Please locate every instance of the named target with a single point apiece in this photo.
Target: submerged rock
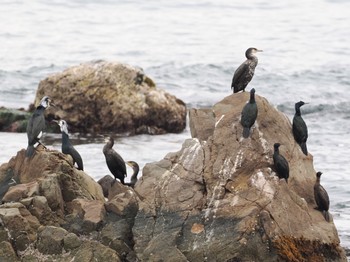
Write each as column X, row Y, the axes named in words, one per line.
column 112, row 97
column 218, row 198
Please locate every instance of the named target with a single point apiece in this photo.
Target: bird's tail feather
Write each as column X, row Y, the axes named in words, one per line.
column 303, row 148
column 326, row 215
column 30, row 151
column 246, row 132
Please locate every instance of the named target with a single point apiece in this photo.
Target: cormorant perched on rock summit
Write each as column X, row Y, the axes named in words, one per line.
column 321, row 197
column 67, row 147
column 245, row 72
column 36, row 125
column 299, row 128
column 136, row 170
column 280, row 163
column 249, row 114
column 114, row 161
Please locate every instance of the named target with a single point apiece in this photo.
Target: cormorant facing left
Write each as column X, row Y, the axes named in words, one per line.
column 36, row 125
column 136, row 170
column 321, row 197
column 114, row 161
column 67, row 147
column 245, row 72
column 280, row 163
column 299, row 128
column 249, row 114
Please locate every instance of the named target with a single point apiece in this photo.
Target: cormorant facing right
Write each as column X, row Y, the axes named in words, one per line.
column 249, row 114
column 245, row 72
column 280, row 163
column 321, row 197
column 299, row 128
column 136, row 169
column 114, row 161
column 36, row 125
column 67, row 147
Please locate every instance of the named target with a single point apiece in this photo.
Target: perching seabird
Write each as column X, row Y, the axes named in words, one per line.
column 299, row 128
column 249, row 114
column 280, row 163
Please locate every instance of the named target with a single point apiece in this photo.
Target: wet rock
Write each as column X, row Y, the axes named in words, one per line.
column 134, row 104
column 50, row 240
column 219, row 199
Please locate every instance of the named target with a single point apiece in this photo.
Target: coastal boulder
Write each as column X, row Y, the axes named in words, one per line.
column 219, row 198
column 111, row 97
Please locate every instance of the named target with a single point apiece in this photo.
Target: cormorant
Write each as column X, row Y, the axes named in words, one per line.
column 280, row 163
column 114, row 161
column 245, row 72
column 299, row 128
column 136, row 169
column 321, row 197
column 36, row 125
column 67, row 147
column 249, row 114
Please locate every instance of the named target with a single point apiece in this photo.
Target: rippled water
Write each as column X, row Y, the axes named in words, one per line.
column 191, row 48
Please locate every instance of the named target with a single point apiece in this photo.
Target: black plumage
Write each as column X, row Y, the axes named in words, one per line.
column 36, row 125
column 280, row 163
column 114, row 161
column 249, row 114
column 67, row 147
column 299, row 128
column 245, row 72
column 135, row 167
column 321, row 197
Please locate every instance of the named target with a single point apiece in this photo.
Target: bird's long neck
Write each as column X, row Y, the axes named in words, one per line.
column 297, row 111
column 277, row 151
column 251, row 56
column 65, row 138
column 108, row 146
column 136, row 172
column 252, row 98
column 318, row 180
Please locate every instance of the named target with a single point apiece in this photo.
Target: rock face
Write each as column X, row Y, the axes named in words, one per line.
column 111, row 97
column 218, row 199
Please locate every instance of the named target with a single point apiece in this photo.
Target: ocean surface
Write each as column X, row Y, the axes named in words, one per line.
column 191, row 49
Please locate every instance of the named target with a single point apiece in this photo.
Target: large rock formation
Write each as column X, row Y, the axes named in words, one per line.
column 218, row 198
column 112, row 97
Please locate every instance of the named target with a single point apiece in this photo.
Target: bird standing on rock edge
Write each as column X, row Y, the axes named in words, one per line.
column 67, row 147
column 300, row 132
column 36, row 125
column 280, row 163
column 321, row 197
column 245, row 72
column 114, row 161
column 135, row 167
column 249, row 114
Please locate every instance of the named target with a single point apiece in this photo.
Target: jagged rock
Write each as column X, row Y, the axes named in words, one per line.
column 135, row 105
column 50, row 240
column 91, row 212
column 71, row 241
column 94, row 251
column 7, row 253
column 106, row 184
column 17, row 192
column 218, row 199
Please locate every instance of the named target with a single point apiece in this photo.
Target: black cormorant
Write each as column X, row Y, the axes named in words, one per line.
column 67, row 147
column 114, row 161
column 280, row 163
column 299, row 128
column 245, row 72
column 36, row 125
column 249, row 114
column 321, row 197
column 136, row 170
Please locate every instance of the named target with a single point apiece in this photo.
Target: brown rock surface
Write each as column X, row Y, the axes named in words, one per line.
column 218, row 198
column 112, row 97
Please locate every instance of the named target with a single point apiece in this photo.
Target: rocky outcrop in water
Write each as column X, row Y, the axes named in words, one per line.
column 217, row 199
column 112, row 97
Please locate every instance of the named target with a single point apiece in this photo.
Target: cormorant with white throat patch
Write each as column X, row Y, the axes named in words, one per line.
column 245, row 72
column 67, row 147
column 36, row 125
column 135, row 167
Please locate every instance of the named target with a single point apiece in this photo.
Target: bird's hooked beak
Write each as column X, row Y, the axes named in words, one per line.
column 259, row 50
column 129, row 164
